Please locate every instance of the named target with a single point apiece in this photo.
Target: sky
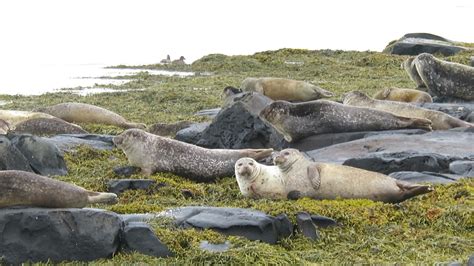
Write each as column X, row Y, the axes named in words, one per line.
column 141, row 31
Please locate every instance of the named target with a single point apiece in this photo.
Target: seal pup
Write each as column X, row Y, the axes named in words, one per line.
column 258, row 180
column 305, row 178
column 446, row 78
column 154, row 153
column 19, row 188
column 47, row 126
column 299, row 120
column 403, row 95
column 86, row 113
column 410, row 68
column 4, row 127
column 439, row 120
column 285, row 89
column 13, row 117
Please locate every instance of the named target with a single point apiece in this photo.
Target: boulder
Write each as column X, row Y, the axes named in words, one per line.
column 306, row 226
column 118, row 186
column 40, row 235
column 284, row 225
column 423, row 177
column 464, row 168
column 459, row 110
column 126, row 170
column 323, row 221
column 68, row 142
column 139, row 237
column 417, row 43
column 192, row 134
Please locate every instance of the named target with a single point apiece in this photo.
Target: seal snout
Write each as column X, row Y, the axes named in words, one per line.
column 245, row 167
column 118, row 140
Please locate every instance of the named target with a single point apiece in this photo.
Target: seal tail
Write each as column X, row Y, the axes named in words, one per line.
column 101, row 197
column 134, row 125
column 409, row 190
column 322, row 92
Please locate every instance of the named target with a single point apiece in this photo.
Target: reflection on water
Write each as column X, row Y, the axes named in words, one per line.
column 35, row 80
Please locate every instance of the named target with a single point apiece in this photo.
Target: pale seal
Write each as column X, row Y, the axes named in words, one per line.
column 444, row 78
column 19, row 188
column 153, row 153
column 258, row 180
column 14, row 117
column 410, row 69
column 330, row 181
column 403, row 95
column 47, row 126
column 285, row 89
column 439, row 120
column 87, row 113
column 299, row 120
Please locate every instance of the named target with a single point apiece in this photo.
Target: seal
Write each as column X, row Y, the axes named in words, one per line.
column 439, row 120
column 299, row 120
column 154, row 153
column 47, row 126
column 163, row 129
column 403, row 95
column 258, row 180
column 4, row 127
column 305, row 178
column 410, row 69
column 14, row 117
column 86, row 113
column 285, row 89
column 444, row 78
column 19, row 188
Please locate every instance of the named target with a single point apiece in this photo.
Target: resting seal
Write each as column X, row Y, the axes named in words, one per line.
column 14, row 117
column 330, row 181
column 446, row 78
column 259, row 181
column 18, row 188
column 403, row 95
column 86, row 113
column 299, row 120
column 153, row 153
column 47, row 126
column 410, row 68
column 285, row 89
column 439, row 120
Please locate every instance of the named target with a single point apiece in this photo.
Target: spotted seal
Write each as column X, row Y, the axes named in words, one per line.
column 403, row 95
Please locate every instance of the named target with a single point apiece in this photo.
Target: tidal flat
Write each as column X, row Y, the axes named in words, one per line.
column 434, row 228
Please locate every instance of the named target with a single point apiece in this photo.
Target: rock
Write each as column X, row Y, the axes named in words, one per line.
column 423, row 177
column 40, row 235
column 68, row 142
column 208, row 112
column 417, row 43
column 460, row 110
column 126, row 170
column 192, row 134
column 252, row 224
column 118, row 186
column 470, row 261
column 163, row 129
column 11, row 158
column 139, row 237
column 464, row 168
column 323, row 221
column 433, row 151
column 43, row 156
column 187, row 194
column 205, row 245
column 284, row 225
column 306, row 226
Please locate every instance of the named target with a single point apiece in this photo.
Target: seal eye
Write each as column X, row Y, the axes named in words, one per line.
column 250, row 163
column 240, row 164
column 286, row 153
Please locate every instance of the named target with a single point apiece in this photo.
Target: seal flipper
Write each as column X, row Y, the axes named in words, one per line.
column 409, row 190
column 134, row 125
column 101, row 197
column 313, row 175
column 322, row 92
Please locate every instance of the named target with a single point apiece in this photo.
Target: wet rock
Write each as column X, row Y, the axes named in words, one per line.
column 417, row 43
column 139, row 237
column 163, row 129
column 68, row 142
column 126, row 170
column 252, row 224
column 191, row 134
column 432, row 151
column 11, row 158
column 464, row 168
column 118, row 186
column 306, row 226
column 323, row 221
column 39, row 235
column 424, row 177
column 284, row 225
column 205, row 245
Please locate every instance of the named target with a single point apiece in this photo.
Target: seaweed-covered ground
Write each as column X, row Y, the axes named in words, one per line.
column 437, row 227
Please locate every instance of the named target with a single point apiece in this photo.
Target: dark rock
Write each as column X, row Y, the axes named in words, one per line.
column 306, row 226
column 11, row 158
column 432, row 151
column 188, row 194
column 43, row 156
column 464, row 168
column 323, row 221
column 423, row 177
column 139, row 237
column 284, row 225
column 252, row 224
column 191, row 134
column 470, row 261
column 36, row 234
column 460, row 110
column 208, row 112
column 163, row 129
column 118, row 186
column 126, row 170
column 205, row 245
column 68, row 142
column 417, row 43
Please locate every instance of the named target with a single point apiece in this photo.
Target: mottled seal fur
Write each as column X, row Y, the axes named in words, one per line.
column 87, row 113
column 258, row 180
column 330, row 181
column 444, row 78
column 14, row 117
column 299, row 120
column 410, row 68
column 403, row 95
column 163, row 129
column 285, row 89
column 18, row 188
column 4, row 127
column 439, row 120
column 48, row 126
column 153, row 153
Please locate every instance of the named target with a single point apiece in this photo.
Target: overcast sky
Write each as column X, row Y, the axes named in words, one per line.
column 140, row 31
